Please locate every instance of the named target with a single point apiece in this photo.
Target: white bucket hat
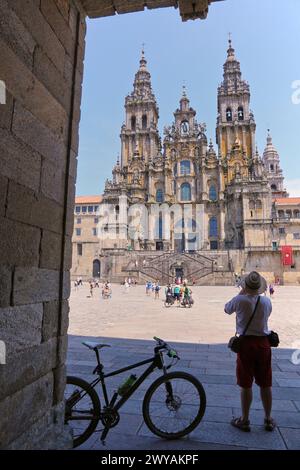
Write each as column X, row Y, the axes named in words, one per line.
column 254, row 283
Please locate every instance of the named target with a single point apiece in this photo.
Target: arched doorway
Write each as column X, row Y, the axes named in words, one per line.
column 96, row 268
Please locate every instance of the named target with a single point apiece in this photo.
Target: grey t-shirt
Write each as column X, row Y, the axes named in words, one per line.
column 243, row 305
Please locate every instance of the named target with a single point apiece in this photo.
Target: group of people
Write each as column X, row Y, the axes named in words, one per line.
column 179, row 293
column 153, row 288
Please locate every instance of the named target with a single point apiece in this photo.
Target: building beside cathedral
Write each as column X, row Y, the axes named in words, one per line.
column 178, row 207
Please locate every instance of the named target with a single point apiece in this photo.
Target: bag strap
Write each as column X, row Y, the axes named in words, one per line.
column 251, row 318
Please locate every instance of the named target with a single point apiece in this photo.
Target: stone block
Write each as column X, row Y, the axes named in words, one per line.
column 64, row 8
column 37, row 135
column 32, row 363
column 21, row 328
column 62, row 349
column 6, row 112
column 26, row 206
column 15, row 34
column 32, row 285
column 46, row 433
column 59, row 375
column 19, row 243
column 5, row 286
column 59, row 24
column 64, row 320
column 21, row 410
column 51, row 250
column 30, row 92
column 18, row 162
column 41, row 30
column 52, row 78
column 3, row 194
column 68, row 253
column 66, row 285
column 50, row 320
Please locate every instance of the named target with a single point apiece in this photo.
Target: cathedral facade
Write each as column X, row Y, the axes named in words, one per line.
column 177, row 198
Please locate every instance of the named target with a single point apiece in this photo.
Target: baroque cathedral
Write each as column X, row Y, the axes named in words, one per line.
column 234, row 185
column 177, row 206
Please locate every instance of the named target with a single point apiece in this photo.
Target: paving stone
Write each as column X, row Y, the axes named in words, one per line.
column 291, row 438
column 227, row 435
column 288, row 382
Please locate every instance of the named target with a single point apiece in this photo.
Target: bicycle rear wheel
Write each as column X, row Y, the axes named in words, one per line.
column 174, row 405
column 82, row 409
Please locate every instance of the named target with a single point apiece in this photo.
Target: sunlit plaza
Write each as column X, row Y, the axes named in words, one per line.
column 129, row 320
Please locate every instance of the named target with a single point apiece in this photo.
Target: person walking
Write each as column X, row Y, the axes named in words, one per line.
column 271, row 290
column 157, row 289
column 255, row 357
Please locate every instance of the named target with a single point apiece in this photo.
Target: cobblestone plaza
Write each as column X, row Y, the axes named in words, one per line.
column 128, row 321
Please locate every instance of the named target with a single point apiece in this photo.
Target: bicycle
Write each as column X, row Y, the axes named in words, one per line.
column 173, row 406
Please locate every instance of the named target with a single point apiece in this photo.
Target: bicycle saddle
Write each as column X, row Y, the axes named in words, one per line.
column 93, row 345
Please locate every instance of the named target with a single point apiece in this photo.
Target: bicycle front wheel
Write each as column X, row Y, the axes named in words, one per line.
column 82, row 409
column 174, row 405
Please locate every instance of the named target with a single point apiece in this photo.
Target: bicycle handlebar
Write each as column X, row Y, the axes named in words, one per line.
column 163, row 345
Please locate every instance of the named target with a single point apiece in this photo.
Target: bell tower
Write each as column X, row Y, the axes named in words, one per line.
column 235, row 122
column 139, row 133
column 271, row 162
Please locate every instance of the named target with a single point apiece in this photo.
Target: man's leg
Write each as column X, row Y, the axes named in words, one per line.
column 246, row 400
column 266, row 398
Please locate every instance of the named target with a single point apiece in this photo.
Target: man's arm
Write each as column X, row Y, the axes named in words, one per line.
column 230, row 307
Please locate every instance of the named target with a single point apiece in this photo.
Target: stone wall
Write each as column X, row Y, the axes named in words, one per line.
column 41, row 50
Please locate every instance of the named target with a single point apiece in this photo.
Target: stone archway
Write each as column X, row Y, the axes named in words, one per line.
column 42, row 70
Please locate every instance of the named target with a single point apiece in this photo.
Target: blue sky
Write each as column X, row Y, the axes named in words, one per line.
column 266, row 38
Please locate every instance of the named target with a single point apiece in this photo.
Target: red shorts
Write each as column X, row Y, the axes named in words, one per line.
column 254, row 362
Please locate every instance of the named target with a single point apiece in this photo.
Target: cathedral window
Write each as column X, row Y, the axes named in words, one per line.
column 272, row 167
column 185, row 167
column 185, row 192
column 296, row 214
column 175, row 169
column 133, row 122
column 159, row 195
column 228, row 115
column 258, row 204
column 251, row 204
column 274, row 187
column 144, row 121
column 240, row 113
column 281, row 214
column 77, row 209
column 213, row 227
column 174, row 187
column 213, row 193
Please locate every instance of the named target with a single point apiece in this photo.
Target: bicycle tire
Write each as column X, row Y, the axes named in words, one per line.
column 147, row 400
column 85, row 386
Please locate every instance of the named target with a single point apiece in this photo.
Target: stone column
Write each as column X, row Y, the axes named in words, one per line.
column 42, row 51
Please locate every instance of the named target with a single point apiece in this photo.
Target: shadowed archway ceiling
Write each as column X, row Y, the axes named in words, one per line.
column 189, row 9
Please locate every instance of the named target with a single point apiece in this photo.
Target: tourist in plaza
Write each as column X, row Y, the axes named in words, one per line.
column 177, row 293
column 91, row 288
column 148, row 288
column 254, row 358
column 271, row 290
column 126, row 286
column 156, row 292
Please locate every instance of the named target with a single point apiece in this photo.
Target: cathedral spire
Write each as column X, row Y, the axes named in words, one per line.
column 143, row 61
column 230, row 50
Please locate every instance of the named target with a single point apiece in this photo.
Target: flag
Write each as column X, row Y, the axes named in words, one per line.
column 287, row 255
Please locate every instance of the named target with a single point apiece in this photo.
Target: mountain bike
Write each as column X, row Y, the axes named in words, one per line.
column 173, row 406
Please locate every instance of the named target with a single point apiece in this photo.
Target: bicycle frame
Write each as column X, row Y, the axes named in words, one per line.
column 156, row 362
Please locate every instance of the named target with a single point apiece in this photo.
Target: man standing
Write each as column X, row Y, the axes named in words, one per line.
column 254, row 358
